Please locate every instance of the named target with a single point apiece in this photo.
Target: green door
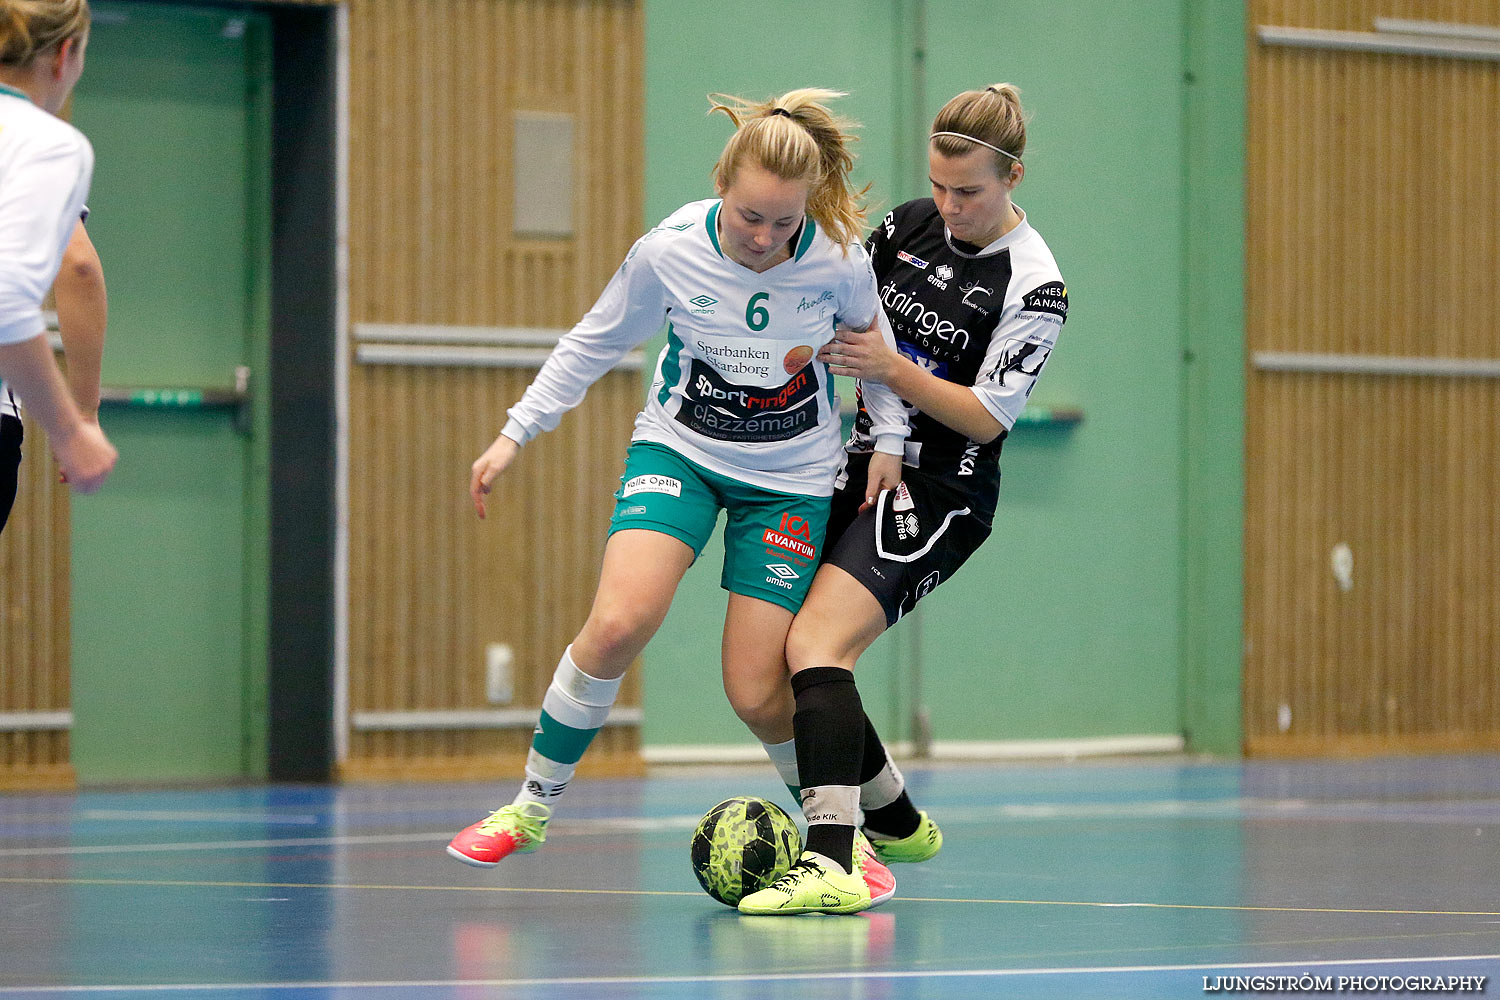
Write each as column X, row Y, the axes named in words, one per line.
column 169, row 568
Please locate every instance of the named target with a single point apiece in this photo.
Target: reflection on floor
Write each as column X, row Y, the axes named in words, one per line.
column 1123, row 878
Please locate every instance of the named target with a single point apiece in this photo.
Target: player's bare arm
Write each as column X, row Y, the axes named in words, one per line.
column 82, row 316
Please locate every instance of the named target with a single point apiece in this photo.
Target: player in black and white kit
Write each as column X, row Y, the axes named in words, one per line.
column 983, row 317
column 976, row 302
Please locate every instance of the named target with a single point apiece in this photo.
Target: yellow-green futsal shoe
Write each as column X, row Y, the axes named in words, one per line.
column 921, row 845
column 813, row 885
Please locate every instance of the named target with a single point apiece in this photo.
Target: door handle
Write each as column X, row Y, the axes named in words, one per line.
column 174, row 397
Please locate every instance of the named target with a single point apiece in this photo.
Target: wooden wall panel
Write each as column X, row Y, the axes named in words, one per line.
column 434, row 86
column 34, row 620
column 1374, row 225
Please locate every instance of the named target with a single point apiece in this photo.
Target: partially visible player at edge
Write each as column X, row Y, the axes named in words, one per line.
column 45, row 169
column 740, row 416
column 977, row 302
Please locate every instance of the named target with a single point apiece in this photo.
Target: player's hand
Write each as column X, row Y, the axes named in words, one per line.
column 885, row 474
column 86, row 457
column 860, row 353
column 88, row 418
column 487, row 467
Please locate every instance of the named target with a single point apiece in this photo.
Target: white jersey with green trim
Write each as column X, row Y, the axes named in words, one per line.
column 738, row 388
column 45, row 168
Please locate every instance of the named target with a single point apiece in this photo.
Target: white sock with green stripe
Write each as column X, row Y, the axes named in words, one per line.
column 784, row 759
column 573, row 710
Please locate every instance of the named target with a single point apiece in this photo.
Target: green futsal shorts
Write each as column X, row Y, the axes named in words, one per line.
column 771, row 540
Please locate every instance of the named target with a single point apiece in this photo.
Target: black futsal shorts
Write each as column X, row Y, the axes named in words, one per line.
column 10, row 465
column 915, row 537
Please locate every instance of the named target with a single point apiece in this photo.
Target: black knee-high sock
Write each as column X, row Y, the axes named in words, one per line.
column 878, row 779
column 830, row 749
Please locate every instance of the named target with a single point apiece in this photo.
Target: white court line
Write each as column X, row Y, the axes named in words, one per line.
column 761, row 978
column 574, row 828
column 1234, row 808
column 195, row 816
column 224, row 845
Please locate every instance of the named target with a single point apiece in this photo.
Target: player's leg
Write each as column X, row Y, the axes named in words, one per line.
column 663, row 517
column 868, row 580
column 771, row 547
column 840, row 881
column 771, row 544
column 843, row 509
column 640, row 574
column 836, row 623
column 754, row 662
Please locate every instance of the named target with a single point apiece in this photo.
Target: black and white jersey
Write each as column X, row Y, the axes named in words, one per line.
column 984, row 317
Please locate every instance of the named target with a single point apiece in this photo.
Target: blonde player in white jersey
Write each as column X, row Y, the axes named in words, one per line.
column 45, row 169
column 741, row 416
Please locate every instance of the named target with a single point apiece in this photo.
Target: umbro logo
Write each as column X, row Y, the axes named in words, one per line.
column 784, row 571
column 703, row 301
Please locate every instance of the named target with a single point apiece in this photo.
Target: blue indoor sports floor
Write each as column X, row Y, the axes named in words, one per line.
column 1119, row 878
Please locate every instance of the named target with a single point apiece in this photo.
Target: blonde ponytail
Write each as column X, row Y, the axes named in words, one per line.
column 29, row 28
column 796, row 137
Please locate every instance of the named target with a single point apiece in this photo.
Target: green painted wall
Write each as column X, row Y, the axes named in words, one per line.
column 1070, row 622
column 1081, row 572
column 1214, row 376
column 169, row 563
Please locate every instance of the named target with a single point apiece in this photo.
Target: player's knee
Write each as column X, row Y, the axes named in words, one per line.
column 615, row 637
column 763, row 712
column 807, row 645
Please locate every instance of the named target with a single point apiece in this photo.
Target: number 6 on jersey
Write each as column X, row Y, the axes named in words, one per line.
column 756, row 316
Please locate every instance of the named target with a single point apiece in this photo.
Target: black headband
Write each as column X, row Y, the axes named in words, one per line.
column 781, row 111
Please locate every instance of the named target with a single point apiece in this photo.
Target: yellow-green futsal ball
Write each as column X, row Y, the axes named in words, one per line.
column 741, row 845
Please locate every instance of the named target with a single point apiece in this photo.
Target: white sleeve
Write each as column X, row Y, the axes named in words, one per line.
column 43, row 191
column 631, row 309
column 889, row 421
column 889, row 418
column 1018, row 350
